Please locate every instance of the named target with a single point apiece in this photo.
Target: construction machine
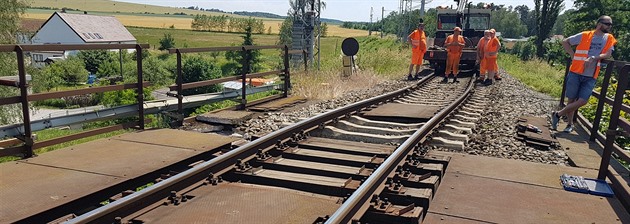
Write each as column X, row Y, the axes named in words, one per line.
column 475, row 22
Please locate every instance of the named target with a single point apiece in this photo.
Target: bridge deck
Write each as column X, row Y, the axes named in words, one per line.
column 478, row 189
column 56, row 178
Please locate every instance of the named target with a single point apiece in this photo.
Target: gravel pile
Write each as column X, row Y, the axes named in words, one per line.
column 272, row 121
column 494, row 134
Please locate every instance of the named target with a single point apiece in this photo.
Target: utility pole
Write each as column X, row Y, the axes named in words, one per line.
column 382, row 21
column 422, row 8
column 370, row 26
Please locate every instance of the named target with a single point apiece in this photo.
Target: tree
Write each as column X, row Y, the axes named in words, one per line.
column 10, row 11
column 508, row 23
column 558, row 27
column 587, row 13
column 94, row 58
column 167, row 42
column 72, row 70
column 155, row 72
column 528, row 18
column 286, row 32
column 250, row 58
column 546, row 15
column 197, row 69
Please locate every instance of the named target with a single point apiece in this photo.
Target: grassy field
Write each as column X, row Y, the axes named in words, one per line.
column 160, row 20
column 546, row 79
column 114, row 6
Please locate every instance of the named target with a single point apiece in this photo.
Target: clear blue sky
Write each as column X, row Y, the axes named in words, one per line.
column 346, row 10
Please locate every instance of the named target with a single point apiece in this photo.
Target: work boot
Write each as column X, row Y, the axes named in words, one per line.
column 455, row 79
column 418, row 76
column 488, row 82
column 409, row 77
column 497, row 77
column 569, row 128
column 445, row 80
column 554, row 120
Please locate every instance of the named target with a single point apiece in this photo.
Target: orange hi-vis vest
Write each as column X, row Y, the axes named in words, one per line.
column 481, row 45
column 455, row 49
column 581, row 52
column 492, row 46
column 418, row 39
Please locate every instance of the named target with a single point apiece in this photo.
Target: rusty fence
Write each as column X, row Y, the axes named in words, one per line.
column 618, row 126
column 28, row 143
column 284, row 73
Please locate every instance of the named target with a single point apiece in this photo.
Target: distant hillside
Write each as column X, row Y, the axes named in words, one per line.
column 274, row 16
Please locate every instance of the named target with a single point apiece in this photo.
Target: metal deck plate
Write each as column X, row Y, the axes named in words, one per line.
column 57, row 177
column 244, row 203
column 26, row 189
column 488, row 190
column 278, row 104
column 404, row 111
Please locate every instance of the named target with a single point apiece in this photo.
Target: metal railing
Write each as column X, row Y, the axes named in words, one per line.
column 29, row 144
column 180, row 86
column 607, row 139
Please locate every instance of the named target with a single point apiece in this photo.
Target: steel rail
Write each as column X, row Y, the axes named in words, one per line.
column 351, row 208
column 224, row 161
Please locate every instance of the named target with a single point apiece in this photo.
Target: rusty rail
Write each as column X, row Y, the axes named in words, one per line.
column 24, row 98
column 607, row 139
column 218, row 165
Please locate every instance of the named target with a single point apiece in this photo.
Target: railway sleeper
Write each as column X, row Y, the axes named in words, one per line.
column 406, row 195
column 332, row 158
column 337, row 133
column 348, row 126
column 390, row 213
column 383, row 124
column 346, row 147
column 336, row 187
column 320, row 169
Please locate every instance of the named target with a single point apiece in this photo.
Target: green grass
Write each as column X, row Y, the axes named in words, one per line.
column 536, row 74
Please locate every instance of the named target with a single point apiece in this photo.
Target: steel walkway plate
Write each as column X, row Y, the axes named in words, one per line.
column 55, row 178
column 243, row 203
column 480, row 189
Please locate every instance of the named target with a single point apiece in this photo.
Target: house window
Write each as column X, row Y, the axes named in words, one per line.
column 92, row 36
column 98, row 36
column 86, row 36
column 38, row 57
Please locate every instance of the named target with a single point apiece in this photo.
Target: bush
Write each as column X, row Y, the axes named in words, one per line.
column 167, row 42
column 197, row 69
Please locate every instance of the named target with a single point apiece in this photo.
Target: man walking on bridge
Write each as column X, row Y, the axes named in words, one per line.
column 592, row 46
column 454, row 45
column 418, row 41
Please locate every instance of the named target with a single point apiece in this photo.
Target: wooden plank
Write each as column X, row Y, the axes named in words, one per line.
column 63, row 47
column 14, row 151
column 10, row 100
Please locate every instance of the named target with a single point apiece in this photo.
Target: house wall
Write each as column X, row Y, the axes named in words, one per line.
column 56, row 31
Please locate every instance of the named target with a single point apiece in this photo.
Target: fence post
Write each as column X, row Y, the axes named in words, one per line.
column 244, row 78
column 564, row 83
column 180, row 81
column 305, row 60
column 611, row 133
column 140, row 87
column 287, row 79
column 28, row 134
column 602, row 99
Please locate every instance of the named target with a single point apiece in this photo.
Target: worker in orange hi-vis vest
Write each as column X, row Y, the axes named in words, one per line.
column 491, row 50
column 480, row 55
column 494, row 36
column 592, row 46
column 418, row 41
column 454, row 45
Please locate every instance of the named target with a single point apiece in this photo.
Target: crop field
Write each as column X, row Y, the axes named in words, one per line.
column 183, row 22
column 113, row 6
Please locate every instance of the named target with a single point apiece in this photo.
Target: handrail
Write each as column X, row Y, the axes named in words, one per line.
column 191, row 85
column 24, row 98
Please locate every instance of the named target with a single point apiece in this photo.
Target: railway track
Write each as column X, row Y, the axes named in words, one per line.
column 367, row 162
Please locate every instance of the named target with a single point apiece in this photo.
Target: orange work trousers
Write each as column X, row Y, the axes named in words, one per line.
column 452, row 63
column 417, row 57
column 482, row 67
column 491, row 65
